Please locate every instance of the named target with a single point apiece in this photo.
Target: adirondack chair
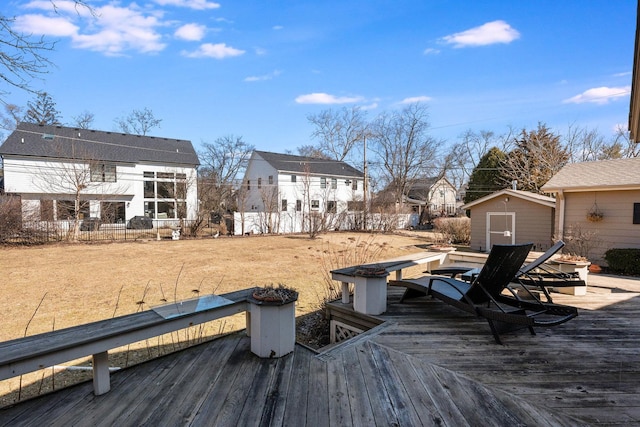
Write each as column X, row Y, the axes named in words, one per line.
column 484, row 295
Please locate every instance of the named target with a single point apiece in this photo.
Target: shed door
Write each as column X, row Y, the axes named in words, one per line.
column 501, row 228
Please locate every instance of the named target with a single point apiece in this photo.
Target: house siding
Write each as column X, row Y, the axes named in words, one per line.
column 533, row 222
column 616, row 230
column 306, row 188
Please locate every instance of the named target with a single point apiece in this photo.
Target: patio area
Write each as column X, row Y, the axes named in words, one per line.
column 426, row 364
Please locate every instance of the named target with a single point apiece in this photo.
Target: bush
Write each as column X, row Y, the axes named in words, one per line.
column 10, row 217
column 623, row 261
column 454, row 230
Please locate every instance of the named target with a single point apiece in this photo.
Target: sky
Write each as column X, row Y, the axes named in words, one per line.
column 259, row 69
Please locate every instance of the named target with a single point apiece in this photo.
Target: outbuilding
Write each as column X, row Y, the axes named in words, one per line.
column 510, row 217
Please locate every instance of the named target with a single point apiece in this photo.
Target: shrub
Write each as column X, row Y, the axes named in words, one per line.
column 10, row 217
column 454, row 230
column 623, row 261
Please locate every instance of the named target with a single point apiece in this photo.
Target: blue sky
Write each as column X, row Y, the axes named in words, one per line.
column 259, row 68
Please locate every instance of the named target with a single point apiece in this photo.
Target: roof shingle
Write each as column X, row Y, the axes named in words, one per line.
column 589, row 176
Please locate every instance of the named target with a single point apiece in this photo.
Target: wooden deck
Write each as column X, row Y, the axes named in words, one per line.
column 428, row 364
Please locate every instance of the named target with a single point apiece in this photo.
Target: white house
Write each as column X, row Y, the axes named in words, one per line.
column 433, row 196
column 62, row 173
column 283, row 193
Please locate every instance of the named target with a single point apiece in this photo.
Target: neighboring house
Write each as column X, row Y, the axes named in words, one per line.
column 431, row 197
column 611, row 187
column 280, row 192
column 61, row 173
column 511, row 217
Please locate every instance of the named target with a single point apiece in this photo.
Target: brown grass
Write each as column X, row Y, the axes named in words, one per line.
column 57, row 286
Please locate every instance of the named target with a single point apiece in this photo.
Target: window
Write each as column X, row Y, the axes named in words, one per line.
column 354, row 185
column 323, row 182
column 331, row 206
column 355, row 206
column 112, row 212
column 46, row 210
column 103, row 172
column 334, row 183
column 298, row 205
column 66, row 210
column 248, row 185
column 270, row 179
column 315, row 204
column 165, row 195
column 259, row 182
column 284, row 205
column 294, row 178
column 636, row 213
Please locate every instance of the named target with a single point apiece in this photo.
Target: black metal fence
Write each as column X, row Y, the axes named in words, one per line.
column 39, row 232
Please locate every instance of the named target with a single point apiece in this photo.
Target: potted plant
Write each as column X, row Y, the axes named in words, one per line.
column 594, row 214
column 278, row 295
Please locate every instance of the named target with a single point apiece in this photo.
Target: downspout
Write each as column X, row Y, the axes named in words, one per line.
column 560, row 207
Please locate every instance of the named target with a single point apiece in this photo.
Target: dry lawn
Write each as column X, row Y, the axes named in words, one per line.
column 57, row 286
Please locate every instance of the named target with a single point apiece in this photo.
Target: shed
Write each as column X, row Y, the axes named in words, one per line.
column 510, row 217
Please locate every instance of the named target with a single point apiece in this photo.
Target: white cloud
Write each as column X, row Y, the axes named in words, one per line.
column 39, row 24
column 599, row 95
column 191, row 32
column 486, row 34
column 277, row 27
column 191, row 4
column 269, row 76
column 217, row 51
column 111, row 29
column 431, row 51
column 325, row 98
column 414, row 99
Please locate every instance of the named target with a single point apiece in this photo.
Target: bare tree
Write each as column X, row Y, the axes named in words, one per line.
column 403, row 147
column 223, row 162
column 43, row 110
column 22, row 56
column 84, row 120
column 138, row 122
column 537, row 156
column 312, row 151
column 339, row 131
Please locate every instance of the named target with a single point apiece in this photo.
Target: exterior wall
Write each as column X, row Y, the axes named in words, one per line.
column 533, row 223
column 266, row 200
column 36, row 180
column 616, row 230
column 442, row 198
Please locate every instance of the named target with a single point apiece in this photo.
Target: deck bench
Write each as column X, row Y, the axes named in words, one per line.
column 32, row 353
column 370, row 280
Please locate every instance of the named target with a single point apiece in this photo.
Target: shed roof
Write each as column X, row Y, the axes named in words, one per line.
column 61, row 142
column 312, row 165
column 525, row 195
column 615, row 174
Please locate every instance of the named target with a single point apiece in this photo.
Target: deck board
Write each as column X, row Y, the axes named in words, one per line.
column 429, row 364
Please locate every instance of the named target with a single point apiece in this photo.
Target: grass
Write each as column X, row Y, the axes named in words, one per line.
column 62, row 285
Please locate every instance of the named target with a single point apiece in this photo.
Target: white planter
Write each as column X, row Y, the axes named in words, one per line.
column 581, row 267
column 272, row 328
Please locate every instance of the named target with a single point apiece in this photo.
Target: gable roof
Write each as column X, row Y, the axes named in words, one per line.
column 312, row 165
column 420, row 188
column 618, row 174
column 524, row 195
column 33, row 140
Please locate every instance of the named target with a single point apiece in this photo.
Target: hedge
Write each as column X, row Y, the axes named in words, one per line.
column 623, row 261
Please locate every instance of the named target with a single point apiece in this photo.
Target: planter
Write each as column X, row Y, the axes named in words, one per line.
column 595, row 268
column 442, row 248
column 272, row 321
column 580, row 267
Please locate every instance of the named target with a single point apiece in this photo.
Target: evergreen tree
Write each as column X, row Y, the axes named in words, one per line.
column 486, row 177
column 43, row 111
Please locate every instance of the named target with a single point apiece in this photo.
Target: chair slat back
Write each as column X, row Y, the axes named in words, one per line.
column 503, row 263
column 543, row 258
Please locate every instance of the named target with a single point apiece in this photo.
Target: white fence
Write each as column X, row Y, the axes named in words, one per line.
column 286, row 223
